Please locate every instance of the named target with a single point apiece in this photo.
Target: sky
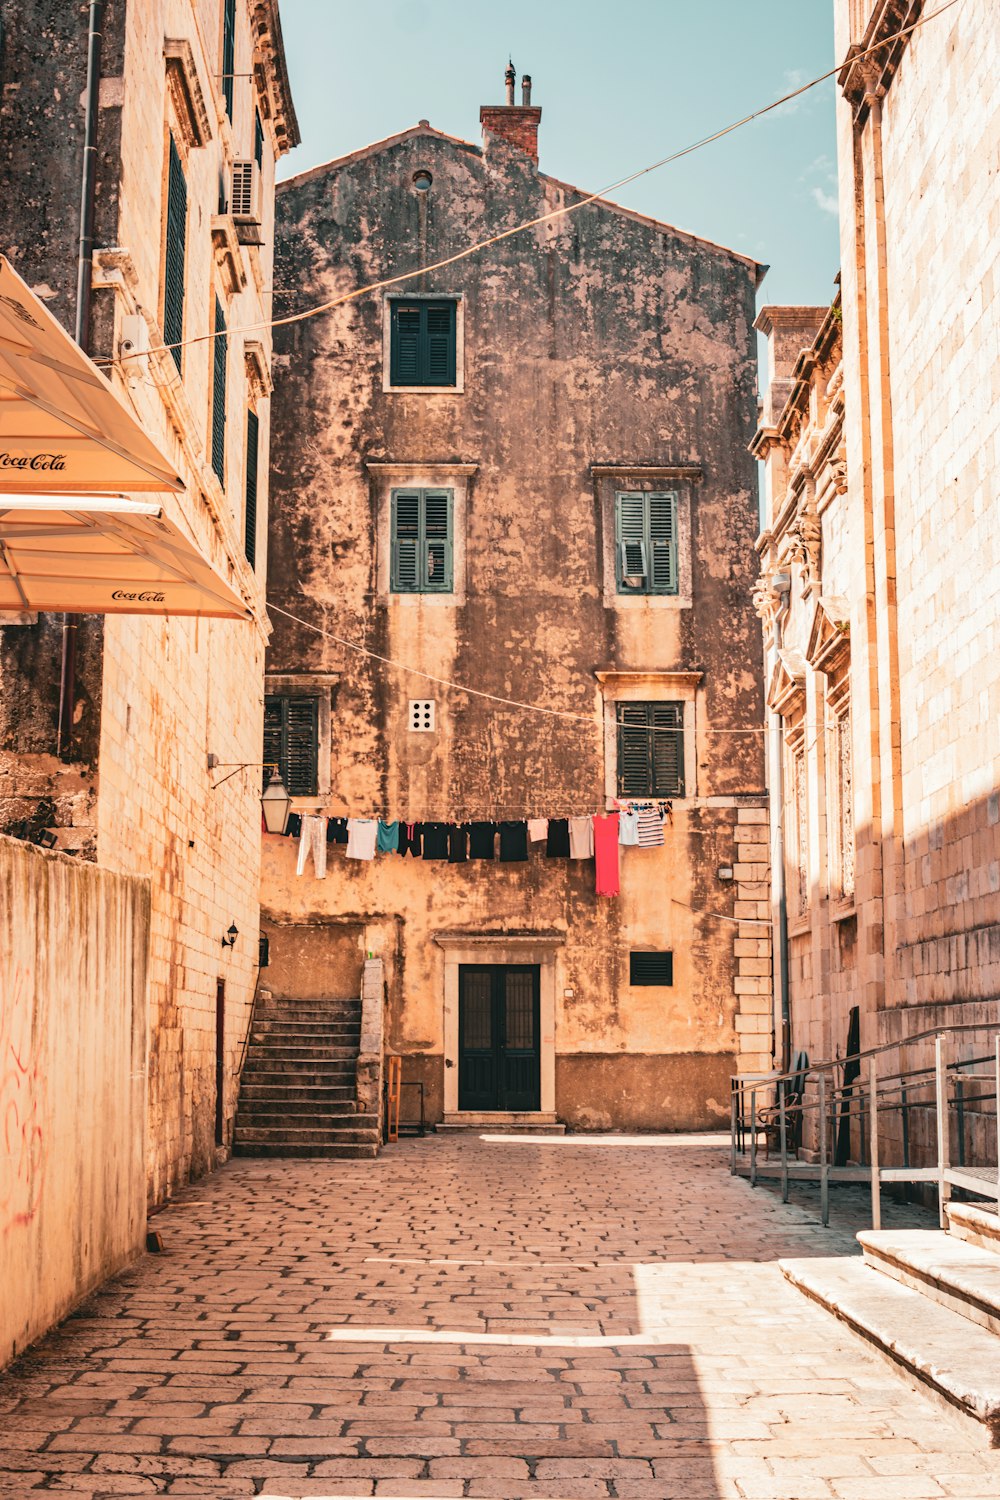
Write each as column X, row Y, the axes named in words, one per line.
column 621, row 83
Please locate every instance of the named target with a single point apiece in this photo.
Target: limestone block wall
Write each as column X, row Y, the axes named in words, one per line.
column 73, row 958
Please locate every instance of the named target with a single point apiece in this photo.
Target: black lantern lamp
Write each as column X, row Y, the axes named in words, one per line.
column 229, row 941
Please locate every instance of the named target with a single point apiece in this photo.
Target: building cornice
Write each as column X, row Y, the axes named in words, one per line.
column 867, row 77
column 271, row 74
column 420, row 466
column 690, row 472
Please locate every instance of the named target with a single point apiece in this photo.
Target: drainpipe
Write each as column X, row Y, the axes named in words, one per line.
column 779, row 896
column 84, row 278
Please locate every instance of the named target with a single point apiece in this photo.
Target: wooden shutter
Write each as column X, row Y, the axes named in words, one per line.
column 651, row 968
column 291, row 741
column 273, row 737
column 228, row 52
column 219, row 395
column 405, row 340
column 250, row 522
column 440, row 343
column 630, row 535
column 173, row 270
column 634, row 767
column 667, row 736
column 436, row 553
column 258, row 139
column 663, row 543
column 405, row 542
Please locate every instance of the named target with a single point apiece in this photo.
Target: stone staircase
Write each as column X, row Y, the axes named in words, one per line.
column 298, row 1094
column 927, row 1300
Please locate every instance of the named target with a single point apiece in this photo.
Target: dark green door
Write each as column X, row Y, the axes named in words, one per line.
column 498, row 1027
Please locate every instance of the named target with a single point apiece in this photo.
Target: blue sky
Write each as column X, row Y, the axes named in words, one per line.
column 621, row 83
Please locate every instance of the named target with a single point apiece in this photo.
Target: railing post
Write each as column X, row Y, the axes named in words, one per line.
column 873, row 1149
column 733, row 1084
column 905, row 1112
column 960, row 1110
column 783, row 1127
column 753, row 1137
column 824, row 1170
column 941, row 1095
column 996, row 1080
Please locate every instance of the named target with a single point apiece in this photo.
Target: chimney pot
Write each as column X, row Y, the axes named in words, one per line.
column 509, row 79
column 526, row 90
column 514, row 124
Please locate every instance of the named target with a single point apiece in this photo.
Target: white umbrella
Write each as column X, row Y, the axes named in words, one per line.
column 104, row 554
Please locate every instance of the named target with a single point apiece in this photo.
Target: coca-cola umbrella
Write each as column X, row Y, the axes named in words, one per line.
column 69, row 539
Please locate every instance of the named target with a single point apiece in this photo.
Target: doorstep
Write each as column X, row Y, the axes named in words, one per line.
column 502, row 1122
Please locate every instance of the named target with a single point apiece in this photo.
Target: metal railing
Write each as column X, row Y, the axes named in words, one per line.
column 850, row 1120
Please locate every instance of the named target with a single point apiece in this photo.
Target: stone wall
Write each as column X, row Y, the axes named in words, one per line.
column 73, row 955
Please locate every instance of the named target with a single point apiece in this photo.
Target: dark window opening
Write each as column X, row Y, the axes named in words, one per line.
column 258, row 139
column 422, row 343
column 219, row 395
column 228, row 53
column 173, row 269
column 220, row 1062
column 651, row 968
column 650, row 749
column 250, row 523
column 291, row 742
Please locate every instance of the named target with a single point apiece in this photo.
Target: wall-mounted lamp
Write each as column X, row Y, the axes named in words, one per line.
column 229, row 941
column 275, row 801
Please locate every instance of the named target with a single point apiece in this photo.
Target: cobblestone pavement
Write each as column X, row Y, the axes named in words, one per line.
column 562, row 1319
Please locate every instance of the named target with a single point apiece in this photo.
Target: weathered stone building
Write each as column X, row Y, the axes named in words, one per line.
column 106, row 729
column 525, row 474
column 881, row 551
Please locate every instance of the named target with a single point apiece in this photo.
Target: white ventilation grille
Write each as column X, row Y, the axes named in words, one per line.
column 422, row 715
column 245, row 194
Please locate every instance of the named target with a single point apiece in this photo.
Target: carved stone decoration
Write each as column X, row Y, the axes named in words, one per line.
column 804, row 540
column 766, row 598
column 185, row 91
column 838, row 473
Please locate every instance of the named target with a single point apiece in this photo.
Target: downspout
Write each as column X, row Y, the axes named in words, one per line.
column 779, row 897
column 81, row 332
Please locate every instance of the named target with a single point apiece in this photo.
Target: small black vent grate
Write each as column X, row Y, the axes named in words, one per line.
column 651, row 968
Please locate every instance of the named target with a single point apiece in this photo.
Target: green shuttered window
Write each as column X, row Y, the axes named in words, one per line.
column 219, row 395
column 422, row 343
column 422, row 541
column 291, row 742
column 173, row 269
column 650, row 749
column 228, row 52
column 250, row 523
column 646, row 543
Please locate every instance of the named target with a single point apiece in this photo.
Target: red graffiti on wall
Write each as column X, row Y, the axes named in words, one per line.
column 22, row 1108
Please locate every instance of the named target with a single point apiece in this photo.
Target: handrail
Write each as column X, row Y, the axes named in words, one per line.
column 906, row 1041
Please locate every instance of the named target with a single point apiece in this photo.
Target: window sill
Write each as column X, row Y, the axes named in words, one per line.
column 423, row 390
column 843, row 911
column 801, row 927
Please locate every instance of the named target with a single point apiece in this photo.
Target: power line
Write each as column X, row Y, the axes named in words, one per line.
column 556, row 213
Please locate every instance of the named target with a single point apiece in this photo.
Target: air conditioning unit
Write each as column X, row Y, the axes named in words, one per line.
column 245, row 200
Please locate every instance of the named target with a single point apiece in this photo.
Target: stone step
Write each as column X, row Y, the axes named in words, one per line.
column 974, row 1224
column 959, row 1276
column 295, row 1076
column 278, row 1032
column 957, row 1361
column 281, row 1061
column 305, row 1135
column 304, row 1050
column 296, row 1010
column 319, row 1096
column 492, row 1122
column 273, row 1110
column 276, row 1150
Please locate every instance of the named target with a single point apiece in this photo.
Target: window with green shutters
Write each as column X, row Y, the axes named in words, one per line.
column 291, row 742
column 646, row 543
column 228, row 52
column 650, row 749
column 219, row 395
column 258, row 139
column 422, row 541
column 250, row 522
column 422, row 343
column 173, row 269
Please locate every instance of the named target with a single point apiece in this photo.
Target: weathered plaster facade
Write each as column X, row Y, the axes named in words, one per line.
column 152, row 698
column 881, row 515
column 597, row 353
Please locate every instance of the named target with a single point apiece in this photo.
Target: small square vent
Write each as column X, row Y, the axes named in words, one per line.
column 422, row 715
column 651, row 968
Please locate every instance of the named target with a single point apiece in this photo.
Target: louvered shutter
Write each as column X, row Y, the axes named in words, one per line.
column 440, row 343
column 301, row 745
column 173, row 270
column 405, row 541
column 273, row 737
column 663, row 543
column 258, row 139
column 250, row 523
column 406, row 341
column 634, row 765
column 630, row 534
column 437, row 541
column 219, row 395
column 666, row 720
column 228, row 52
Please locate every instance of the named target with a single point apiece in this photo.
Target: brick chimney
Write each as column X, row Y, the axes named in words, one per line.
column 517, row 124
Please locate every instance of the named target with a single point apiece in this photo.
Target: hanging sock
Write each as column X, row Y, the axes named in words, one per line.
column 435, row 840
column 538, row 829
column 557, row 842
column 312, row 840
column 458, row 843
column 361, row 836
column 606, row 835
column 410, row 835
column 513, row 842
column 482, row 838
column 650, row 829
column 336, row 831
column 387, row 838
column 581, row 838
column 628, row 829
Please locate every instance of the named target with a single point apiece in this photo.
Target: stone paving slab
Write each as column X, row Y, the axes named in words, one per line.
column 552, row 1319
